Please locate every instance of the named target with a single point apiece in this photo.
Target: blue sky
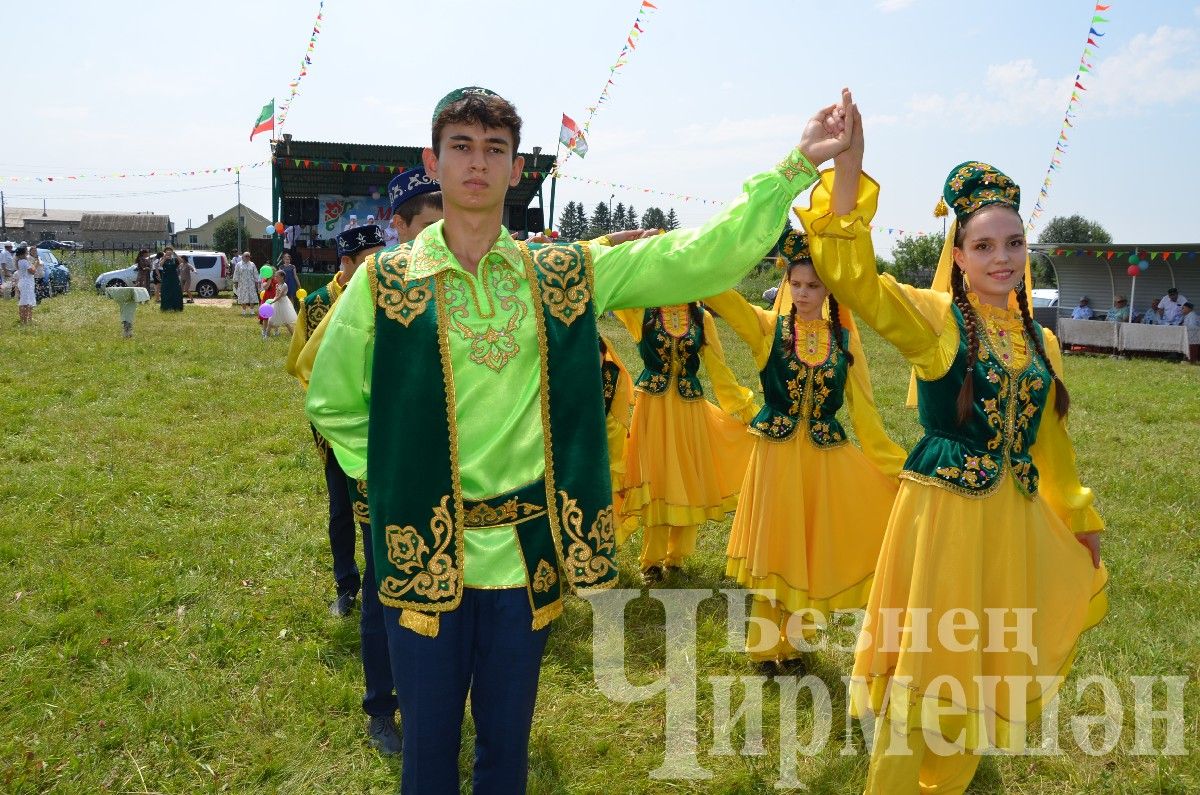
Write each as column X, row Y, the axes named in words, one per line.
column 713, row 93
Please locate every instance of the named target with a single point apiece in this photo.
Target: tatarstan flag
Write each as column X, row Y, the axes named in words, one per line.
column 572, row 136
column 266, row 120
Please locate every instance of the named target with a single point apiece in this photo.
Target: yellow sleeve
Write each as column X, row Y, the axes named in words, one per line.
column 304, row 361
column 299, row 337
column 914, row 321
column 631, row 319
column 1054, row 456
column 733, row 398
column 887, row 456
column 756, row 326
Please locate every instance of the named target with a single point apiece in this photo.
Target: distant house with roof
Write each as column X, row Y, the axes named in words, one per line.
column 202, row 236
column 33, row 224
column 124, row 230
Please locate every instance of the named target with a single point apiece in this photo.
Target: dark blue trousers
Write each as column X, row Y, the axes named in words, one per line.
column 486, row 648
column 378, row 699
column 341, row 528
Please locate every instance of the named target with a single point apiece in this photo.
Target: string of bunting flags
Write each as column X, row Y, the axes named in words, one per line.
column 1063, row 142
column 294, row 86
column 1139, row 261
column 118, row 175
column 576, row 138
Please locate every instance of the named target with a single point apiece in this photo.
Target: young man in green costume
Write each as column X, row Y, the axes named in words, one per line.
column 461, row 371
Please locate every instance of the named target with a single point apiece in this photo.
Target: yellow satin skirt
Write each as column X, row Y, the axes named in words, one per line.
column 684, row 461
column 998, row 590
column 809, row 524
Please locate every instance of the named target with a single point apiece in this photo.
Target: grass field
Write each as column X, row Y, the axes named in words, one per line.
column 165, row 576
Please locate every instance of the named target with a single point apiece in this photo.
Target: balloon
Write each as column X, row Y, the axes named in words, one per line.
column 266, row 272
column 374, row 194
column 1133, row 259
column 301, row 294
column 269, row 230
column 1133, row 270
column 262, row 295
column 265, row 311
column 279, row 227
column 1143, row 265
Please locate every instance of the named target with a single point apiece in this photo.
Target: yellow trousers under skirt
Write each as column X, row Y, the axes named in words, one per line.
column 924, row 770
column 666, row 545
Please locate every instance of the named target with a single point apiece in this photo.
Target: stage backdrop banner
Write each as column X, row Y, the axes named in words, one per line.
column 336, row 210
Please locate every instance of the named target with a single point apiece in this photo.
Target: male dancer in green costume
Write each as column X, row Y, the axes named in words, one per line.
column 461, row 371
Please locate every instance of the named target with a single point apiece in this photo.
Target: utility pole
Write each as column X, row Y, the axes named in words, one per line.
column 240, row 222
column 3, row 221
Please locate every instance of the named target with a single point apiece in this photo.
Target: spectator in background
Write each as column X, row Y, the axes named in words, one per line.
column 288, row 270
column 1119, row 312
column 143, row 265
column 1084, row 310
column 350, row 224
column 1190, row 318
column 156, row 274
column 8, row 271
column 1172, row 307
column 26, row 295
column 769, row 295
column 1153, row 316
column 289, row 239
column 186, row 271
column 245, row 284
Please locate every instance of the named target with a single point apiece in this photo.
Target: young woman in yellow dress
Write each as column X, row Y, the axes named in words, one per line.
column 684, row 457
column 813, row 506
column 990, row 568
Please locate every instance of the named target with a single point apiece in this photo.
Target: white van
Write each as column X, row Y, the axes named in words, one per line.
column 211, row 274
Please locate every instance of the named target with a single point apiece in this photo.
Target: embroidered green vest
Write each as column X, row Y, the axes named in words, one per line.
column 796, row 394
column 316, row 306
column 563, row 523
column 658, row 348
column 973, row 458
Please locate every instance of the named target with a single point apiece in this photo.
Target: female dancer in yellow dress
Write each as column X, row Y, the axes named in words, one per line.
column 813, row 506
column 990, row 569
column 684, row 458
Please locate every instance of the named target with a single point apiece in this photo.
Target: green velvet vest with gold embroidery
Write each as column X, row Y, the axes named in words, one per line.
column 659, row 348
column 563, row 523
column 796, row 394
column 316, row 306
column 972, row 458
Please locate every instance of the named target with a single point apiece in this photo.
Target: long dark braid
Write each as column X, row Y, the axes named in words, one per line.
column 697, row 314
column 1062, row 400
column 835, row 329
column 966, row 395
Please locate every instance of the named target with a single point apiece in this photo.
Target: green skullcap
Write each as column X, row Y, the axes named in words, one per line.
column 972, row 186
column 458, row 94
column 793, row 245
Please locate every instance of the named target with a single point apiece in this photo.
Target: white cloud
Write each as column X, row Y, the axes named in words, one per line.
column 888, row 6
column 1159, row 68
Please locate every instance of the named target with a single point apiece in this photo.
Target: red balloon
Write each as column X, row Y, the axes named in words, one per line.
column 279, row 227
column 1133, row 270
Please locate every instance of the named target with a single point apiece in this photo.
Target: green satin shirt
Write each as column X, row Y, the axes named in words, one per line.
column 493, row 343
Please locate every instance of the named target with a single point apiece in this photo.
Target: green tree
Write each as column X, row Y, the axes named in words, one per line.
column 618, row 216
column 915, row 258
column 571, row 224
column 631, row 218
column 653, row 218
column 1063, row 230
column 672, row 220
column 225, row 236
column 601, row 221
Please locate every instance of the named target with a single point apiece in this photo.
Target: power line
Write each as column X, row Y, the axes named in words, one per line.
column 120, row 195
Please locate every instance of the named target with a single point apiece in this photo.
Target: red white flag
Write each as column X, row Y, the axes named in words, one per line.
column 572, row 136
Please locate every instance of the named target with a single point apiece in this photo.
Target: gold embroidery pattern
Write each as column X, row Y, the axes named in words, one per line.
column 494, row 347
column 779, row 426
column 586, row 563
column 511, row 511
column 795, row 165
column 544, row 577
column 976, row 472
column 362, row 514
column 315, row 310
column 565, row 289
column 432, row 575
column 401, row 300
column 429, row 255
column 1026, row 410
